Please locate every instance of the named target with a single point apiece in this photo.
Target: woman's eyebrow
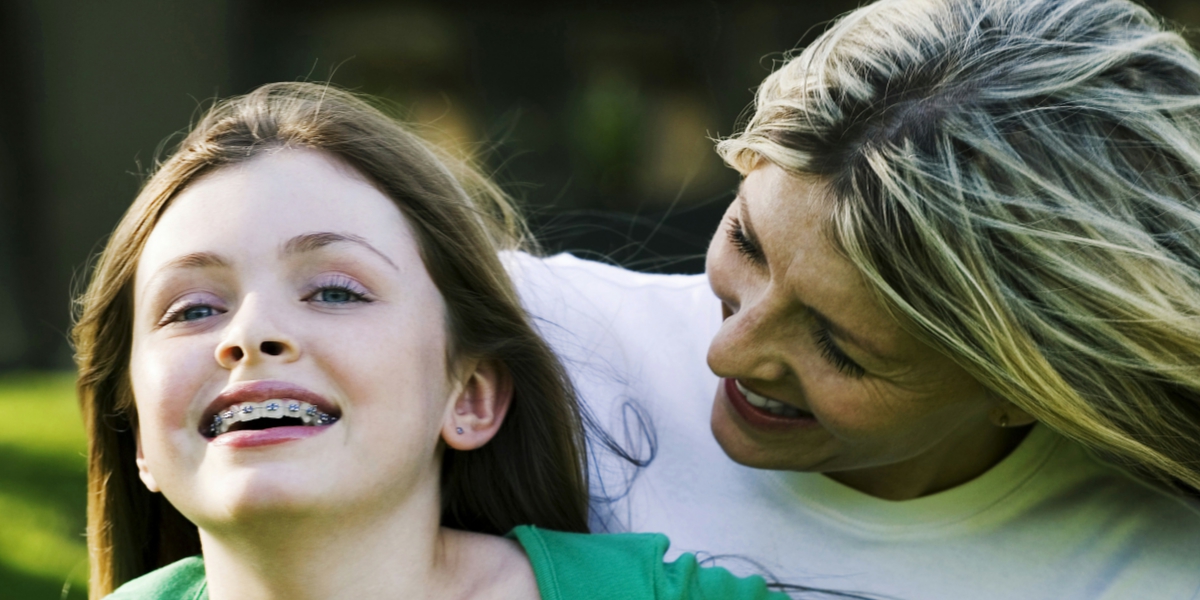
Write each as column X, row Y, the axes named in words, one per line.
column 308, row 242
column 841, row 332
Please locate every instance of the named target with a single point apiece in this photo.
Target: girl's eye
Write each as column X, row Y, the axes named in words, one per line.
column 745, row 246
column 336, row 295
column 835, row 356
column 341, row 290
column 193, row 313
column 188, row 312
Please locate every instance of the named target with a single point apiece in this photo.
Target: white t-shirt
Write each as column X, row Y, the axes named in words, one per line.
column 1049, row 521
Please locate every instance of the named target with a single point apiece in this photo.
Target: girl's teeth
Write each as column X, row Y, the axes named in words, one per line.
column 269, row 409
column 774, row 407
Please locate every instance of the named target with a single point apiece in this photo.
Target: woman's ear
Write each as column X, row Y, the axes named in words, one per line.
column 143, row 467
column 478, row 410
column 1007, row 414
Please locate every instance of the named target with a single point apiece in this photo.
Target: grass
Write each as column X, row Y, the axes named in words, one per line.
column 43, row 482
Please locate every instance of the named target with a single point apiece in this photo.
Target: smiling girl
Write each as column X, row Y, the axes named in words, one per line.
column 300, row 356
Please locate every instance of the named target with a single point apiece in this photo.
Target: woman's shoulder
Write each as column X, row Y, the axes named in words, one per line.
column 567, row 268
column 180, row 580
column 580, row 306
column 626, row 565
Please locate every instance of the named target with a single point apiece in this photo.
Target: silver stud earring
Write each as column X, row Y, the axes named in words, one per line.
column 459, row 430
column 1003, row 421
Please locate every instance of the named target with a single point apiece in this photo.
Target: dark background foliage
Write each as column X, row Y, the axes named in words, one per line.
column 597, row 115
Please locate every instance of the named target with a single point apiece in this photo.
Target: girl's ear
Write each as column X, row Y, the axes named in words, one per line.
column 144, row 467
column 478, row 410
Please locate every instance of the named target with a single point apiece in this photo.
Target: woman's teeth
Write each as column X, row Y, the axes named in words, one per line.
column 774, row 407
column 304, row 412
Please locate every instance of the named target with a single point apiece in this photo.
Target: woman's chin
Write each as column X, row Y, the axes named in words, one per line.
column 798, row 450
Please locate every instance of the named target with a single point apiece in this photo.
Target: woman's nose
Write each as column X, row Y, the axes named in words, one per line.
column 252, row 338
column 746, row 345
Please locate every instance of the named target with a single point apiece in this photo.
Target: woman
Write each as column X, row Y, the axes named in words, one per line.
column 300, row 357
column 957, row 319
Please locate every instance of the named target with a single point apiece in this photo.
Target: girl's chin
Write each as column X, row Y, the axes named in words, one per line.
column 261, row 495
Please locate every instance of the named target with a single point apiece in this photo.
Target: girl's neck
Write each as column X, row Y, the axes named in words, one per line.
column 404, row 554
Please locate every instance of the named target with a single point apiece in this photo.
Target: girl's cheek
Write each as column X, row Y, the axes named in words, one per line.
column 167, row 379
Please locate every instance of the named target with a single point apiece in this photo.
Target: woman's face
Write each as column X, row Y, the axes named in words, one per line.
column 816, row 375
column 267, row 288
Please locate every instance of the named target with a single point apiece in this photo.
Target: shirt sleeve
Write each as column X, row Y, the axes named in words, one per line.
column 685, row 579
column 572, row 566
column 181, row 580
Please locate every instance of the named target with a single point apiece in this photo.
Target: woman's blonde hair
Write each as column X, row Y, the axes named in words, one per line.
column 532, row 472
column 1019, row 182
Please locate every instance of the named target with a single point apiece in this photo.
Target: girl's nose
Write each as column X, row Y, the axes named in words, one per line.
column 252, row 338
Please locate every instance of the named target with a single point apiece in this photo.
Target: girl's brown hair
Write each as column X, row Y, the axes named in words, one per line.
column 532, row 472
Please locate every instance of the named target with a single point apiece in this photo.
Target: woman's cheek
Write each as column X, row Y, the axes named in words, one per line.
column 852, row 409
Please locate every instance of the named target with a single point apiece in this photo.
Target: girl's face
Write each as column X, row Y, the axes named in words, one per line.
column 817, row 375
column 267, row 288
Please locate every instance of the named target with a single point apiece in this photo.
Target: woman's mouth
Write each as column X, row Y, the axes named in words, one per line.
column 774, row 407
column 764, row 413
column 268, row 414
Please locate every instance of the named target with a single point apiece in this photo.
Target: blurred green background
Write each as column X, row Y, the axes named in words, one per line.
column 597, row 116
column 42, row 488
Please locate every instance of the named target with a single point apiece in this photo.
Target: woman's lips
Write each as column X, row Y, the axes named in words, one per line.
column 761, row 418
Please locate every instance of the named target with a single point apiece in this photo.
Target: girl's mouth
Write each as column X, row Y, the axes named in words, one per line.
column 268, row 414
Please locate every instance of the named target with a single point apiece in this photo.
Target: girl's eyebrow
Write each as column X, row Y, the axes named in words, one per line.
column 309, row 242
column 196, row 260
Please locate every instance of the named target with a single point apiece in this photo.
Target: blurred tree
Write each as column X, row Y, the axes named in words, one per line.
column 597, row 114
column 30, row 325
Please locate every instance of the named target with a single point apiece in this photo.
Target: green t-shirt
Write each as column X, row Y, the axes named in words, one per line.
column 568, row 566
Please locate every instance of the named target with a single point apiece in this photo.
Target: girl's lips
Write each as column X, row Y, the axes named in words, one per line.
column 260, row 391
column 251, row 438
column 758, row 418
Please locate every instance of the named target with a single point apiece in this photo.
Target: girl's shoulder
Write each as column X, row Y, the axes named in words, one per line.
column 180, row 580
column 626, row 565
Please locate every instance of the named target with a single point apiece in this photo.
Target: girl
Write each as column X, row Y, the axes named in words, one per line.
column 301, row 358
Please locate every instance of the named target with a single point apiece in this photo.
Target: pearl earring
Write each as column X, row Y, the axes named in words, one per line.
column 1003, row 421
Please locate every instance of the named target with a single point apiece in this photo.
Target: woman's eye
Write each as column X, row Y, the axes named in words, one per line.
column 744, row 245
column 835, row 356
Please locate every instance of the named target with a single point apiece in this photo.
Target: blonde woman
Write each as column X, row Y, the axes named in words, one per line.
column 955, row 338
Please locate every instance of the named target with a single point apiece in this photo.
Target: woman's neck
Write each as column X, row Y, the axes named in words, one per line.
column 960, row 459
column 403, row 554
